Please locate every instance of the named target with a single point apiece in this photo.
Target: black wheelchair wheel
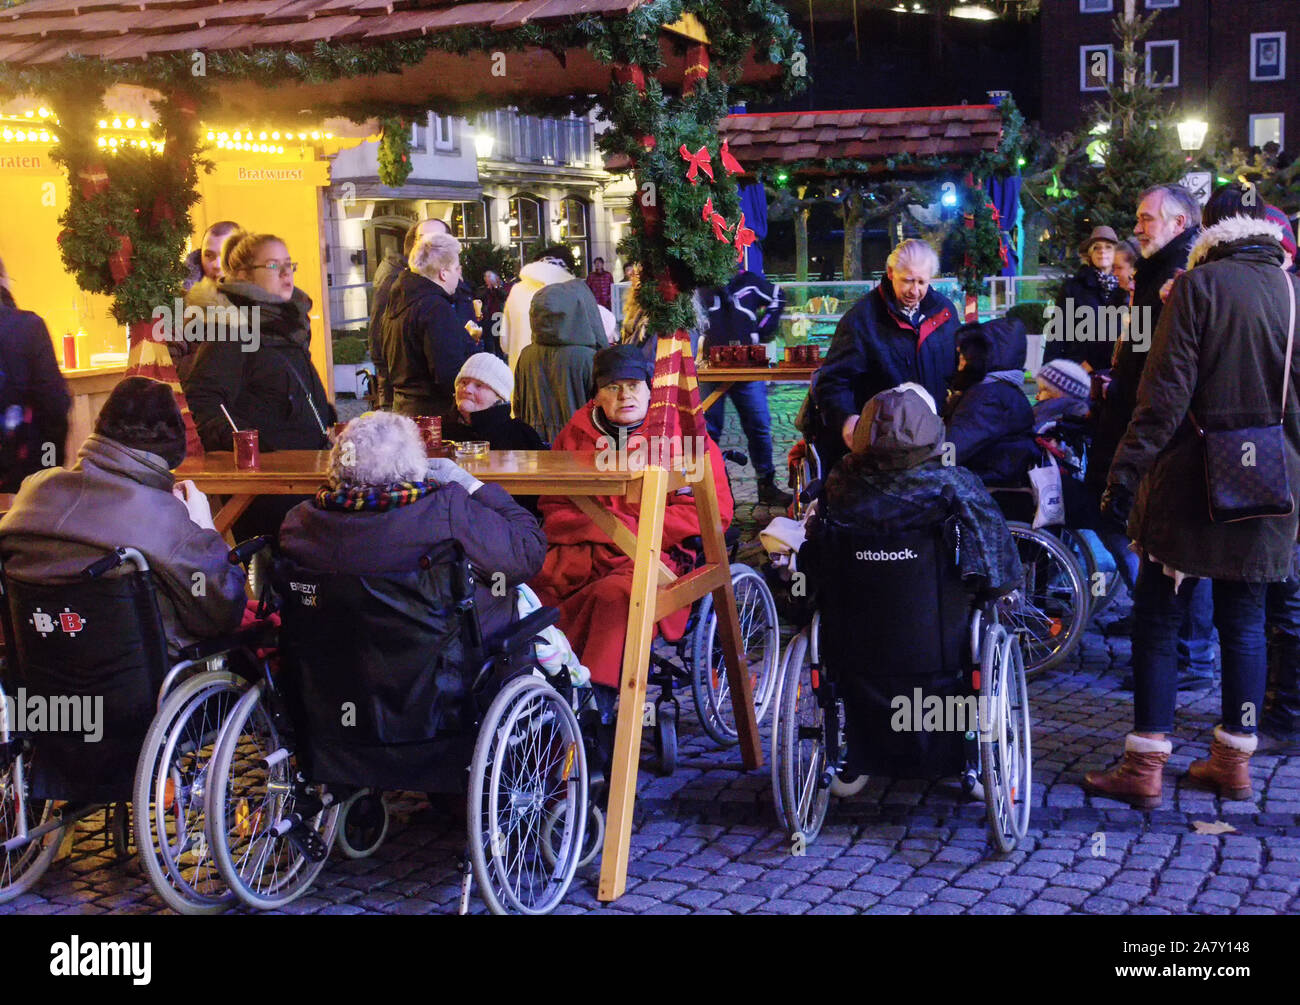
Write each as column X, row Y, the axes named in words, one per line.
column 119, row 826
column 1053, row 606
column 22, row 867
column 666, row 737
column 363, row 824
column 1004, row 739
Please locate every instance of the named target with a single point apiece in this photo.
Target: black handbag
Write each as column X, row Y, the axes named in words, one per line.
column 1245, row 469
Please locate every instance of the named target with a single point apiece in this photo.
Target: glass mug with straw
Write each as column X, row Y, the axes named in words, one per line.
column 247, row 454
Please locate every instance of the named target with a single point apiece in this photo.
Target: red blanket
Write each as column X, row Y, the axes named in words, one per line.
column 588, row 578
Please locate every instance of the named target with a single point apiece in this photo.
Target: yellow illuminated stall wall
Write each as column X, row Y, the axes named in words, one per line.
column 34, row 193
column 280, row 195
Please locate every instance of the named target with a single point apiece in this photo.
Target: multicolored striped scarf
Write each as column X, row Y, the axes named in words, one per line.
column 377, row 498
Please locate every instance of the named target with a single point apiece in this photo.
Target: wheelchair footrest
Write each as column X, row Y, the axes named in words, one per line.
column 306, row 841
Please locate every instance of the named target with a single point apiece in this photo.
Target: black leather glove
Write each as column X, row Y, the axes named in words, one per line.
column 1116, row 502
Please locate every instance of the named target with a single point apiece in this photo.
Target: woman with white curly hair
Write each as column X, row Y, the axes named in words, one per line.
column 386, row 505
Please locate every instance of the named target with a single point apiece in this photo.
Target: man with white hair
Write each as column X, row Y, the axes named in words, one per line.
column 425, row 341
column 901, row 331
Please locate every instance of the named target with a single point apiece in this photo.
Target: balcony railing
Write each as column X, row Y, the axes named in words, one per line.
column 533, row 140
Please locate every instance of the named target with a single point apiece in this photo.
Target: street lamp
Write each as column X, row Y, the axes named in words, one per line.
column 1191, row 134
column 484, row 143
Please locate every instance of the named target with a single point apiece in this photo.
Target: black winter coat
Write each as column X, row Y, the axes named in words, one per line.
column 876, row 347
column 991, row 423
column 1084, row 290
column 1218, row 350
column 1121, row 397
column 425, row 345
column 34, row 394
column 389, row 269
column 494, row 425
column 273, row 388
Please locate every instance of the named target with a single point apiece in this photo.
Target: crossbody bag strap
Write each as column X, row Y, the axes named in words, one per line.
column 1290, row 341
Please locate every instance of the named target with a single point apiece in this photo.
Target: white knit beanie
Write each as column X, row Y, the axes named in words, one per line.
column 492, row 371
column 1068, row 377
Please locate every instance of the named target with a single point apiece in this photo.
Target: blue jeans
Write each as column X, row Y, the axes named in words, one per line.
column 1159, row 613
column 1196, row 636
column 750, row 399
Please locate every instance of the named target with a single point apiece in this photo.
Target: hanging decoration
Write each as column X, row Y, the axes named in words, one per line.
column 698, row 161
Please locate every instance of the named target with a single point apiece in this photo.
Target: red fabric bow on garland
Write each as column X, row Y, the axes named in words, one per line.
column 729, row 162
column 710, row 215
column 744, row 238
column 698, row 161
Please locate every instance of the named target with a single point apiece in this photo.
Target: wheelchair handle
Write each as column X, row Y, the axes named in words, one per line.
column 117, row 558
column 241, row 553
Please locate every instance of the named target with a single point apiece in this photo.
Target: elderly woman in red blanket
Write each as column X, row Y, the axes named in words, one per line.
column 585, row 575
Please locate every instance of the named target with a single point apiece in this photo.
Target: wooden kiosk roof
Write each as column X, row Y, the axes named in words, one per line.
column 39, row 33
column 867, row 134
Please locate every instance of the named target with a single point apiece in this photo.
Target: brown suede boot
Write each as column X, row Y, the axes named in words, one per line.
column 1228, row 766
column 1138, row 779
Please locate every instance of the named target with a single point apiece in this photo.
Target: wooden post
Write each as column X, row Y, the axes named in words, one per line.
column 632, row 689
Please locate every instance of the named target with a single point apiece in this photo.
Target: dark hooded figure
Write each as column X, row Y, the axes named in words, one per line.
column 895, row 476
column 553, row 377
column 990, row 421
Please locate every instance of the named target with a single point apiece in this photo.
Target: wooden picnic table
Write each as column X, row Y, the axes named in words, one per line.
column 728, row 375
column 656, row 590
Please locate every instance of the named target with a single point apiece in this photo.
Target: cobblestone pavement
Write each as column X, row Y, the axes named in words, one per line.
column 706, row 839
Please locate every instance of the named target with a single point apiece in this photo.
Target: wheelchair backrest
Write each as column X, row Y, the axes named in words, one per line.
column 377, row 659
column 892, row 604
column 89, row 657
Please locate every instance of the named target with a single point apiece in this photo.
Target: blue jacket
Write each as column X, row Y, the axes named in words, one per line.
column 875, row 348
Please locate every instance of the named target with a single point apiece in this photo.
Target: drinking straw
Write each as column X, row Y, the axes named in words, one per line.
column 228, row 418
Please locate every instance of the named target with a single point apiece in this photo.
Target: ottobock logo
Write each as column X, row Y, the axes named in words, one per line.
column 887, row 556
column 70, row 622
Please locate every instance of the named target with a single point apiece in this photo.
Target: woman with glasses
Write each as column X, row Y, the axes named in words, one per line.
column 255, row 360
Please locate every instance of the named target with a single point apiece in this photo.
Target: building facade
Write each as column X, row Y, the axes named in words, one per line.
column 1230, row 62
column 503, row 178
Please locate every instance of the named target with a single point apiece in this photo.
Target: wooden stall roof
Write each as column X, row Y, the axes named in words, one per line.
column 42, row 32
column 868, row 134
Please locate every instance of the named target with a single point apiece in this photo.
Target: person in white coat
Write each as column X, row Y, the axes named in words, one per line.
column 552, row 265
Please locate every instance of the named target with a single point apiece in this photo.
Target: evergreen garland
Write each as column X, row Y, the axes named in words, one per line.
column 149, row 195
column 395, row 151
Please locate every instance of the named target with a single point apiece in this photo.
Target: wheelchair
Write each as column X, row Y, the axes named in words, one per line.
column 897, row 624
column 697, row 660
column 102, row 639
column 387, row 683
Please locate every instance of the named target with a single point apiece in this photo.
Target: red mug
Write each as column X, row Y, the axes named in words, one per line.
column 758, row 355
column 717, row 354
column 792, row 354
column 813, row 353
column 430, row 433
column 247, row 455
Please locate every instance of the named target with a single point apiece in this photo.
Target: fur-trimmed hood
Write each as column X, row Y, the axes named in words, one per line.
column 1232, row 230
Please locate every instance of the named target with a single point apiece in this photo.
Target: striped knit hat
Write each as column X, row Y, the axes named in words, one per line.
column 1068, row 377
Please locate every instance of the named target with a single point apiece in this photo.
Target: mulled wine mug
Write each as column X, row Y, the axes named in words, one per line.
column 247, row 455
column 430, row 433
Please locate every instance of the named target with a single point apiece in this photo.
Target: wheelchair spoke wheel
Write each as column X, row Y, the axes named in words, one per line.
column 269, row 831
column 527, row 808
column 1005, row 757
column 760, row 641
column 171, row 791
column 21, row 868
column 593, row 839
column 1053, row 606
column 1102, row 583
column 799, row 746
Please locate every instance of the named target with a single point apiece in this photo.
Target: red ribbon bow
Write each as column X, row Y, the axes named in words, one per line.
column 729, row 162
column 698, row 161
column 744, row 238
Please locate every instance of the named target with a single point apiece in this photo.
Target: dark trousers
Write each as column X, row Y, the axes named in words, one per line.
column 750, row 399
column 1158, row 614
column 1282, row 615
